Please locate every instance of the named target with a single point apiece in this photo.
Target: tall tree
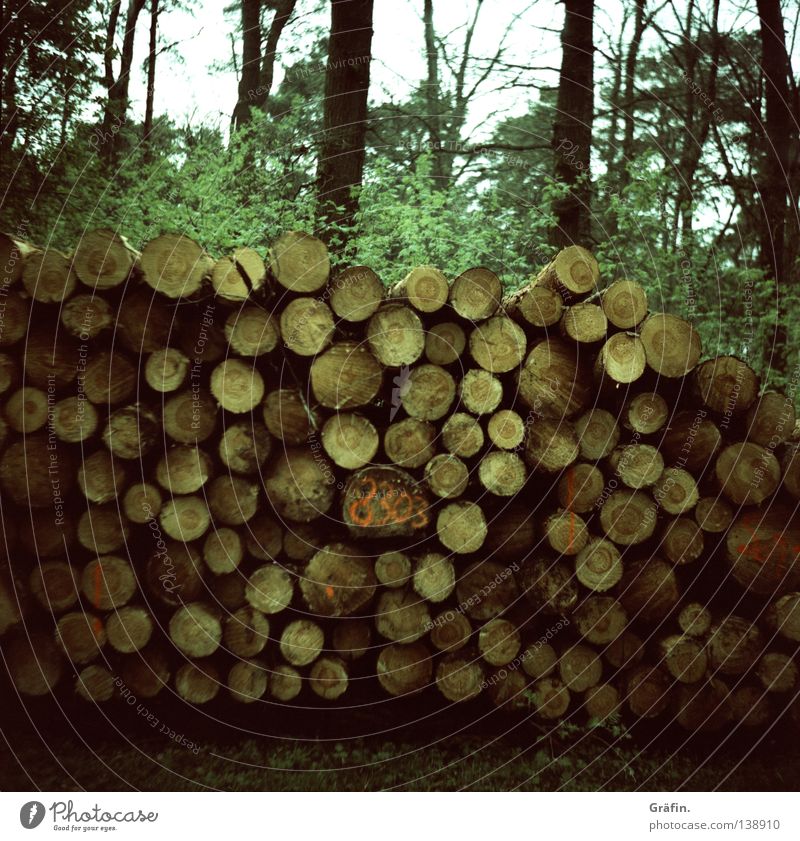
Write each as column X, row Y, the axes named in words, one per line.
column 258, row 56
column 572, row 127
column 341, row 159
column 117, row 87
column 151, row 72
column 779, row 127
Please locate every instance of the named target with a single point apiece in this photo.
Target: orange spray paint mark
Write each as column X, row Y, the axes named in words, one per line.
column 329, row 592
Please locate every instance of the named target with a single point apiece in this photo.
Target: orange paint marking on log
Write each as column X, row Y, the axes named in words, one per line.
column 329, row 592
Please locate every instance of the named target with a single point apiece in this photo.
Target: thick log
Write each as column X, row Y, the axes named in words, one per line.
column 223, row 551
column 551, row 698
column 625, row 304
column 598, row 434
column 771, row 420
column 299, row 262
column 393, row 569
column 384, row 501
column 461, row 527
column 628, row 517
column 462, row 435
column 584, row 323
column 300, row 540
column 166, row 370
column 245, row 447
column 554, row 381
column 129, row 629
column 104, row 259
column 784, row 616
column 198, row 682
column 434, row 577
column 402, row 616
column 288, row 416
column 196, row 629
column 445, row 343
column 54, row 585
column 328, row 678
column 676, row 491
column 95, row 684
column 300, row 484
column 447, row 476
column 146, row 672
column 26, row 410
column 450, row 631
column 702, row 706
column 131, row 432
column 777, row 672
column 350, row 440
column 537, row 306
column 185, row 518
column 245, row 632
column 427, row 392
column 269, row 589
column 47, row 481
column 734, row 645
column 108, row 582
column 625, row 651
column 248, row 681
column 404, row 669
column 499, row 642
column 726, row 385
column 237, row 386
column 579, row 487
column 649, row 590
column 600, row 619
column 682, row 541
column 190, row 416
column 459, row 677
column 48, row 277
column 142, row 502
column 234, row 278
column 395, row 335
column 747, row 473
column 101, row 529
column 695, row 620
column 253, row 331
column 580, row 668
column 352, row 638
column 13, row 253
column 307, row 326
column 175, row 265
column 646, row 413
column 647, row 691
column 15, row 318
column 174, row 572
column 512, row 532
column 598, row 566
column 750, row 706
column 550, row 586
column 86, row 316
column 601, row 702
column 691, row 440
column 498, row 345
column 301, row 642
column 480, row 392
column 684, row 657
column 713, row 514
column 355, row 294
column 551, row 445
column 506, row 429
column 338, row 581
column 475, row 294
column 621, row 360
column 81, row 636
column 539, row 660
column 672, row 346
column 285, row 683
column 424, row 287
column 637, row 465
column 574, row 270
column 346, row 376
column 566, row 532
column 410, row 442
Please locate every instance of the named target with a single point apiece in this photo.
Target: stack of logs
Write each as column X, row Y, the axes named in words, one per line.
column 269, row 482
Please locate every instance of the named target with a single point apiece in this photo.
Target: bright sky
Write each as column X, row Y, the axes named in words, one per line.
column 188, row 85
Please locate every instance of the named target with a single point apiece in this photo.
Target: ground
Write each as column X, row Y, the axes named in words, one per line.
column 577, row 763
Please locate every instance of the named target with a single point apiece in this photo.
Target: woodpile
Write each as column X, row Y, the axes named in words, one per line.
column 261, row 479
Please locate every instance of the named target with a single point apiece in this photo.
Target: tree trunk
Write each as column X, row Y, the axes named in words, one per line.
column 778, row 124
column 572, row 130
column 250, row 94
column 117, row 102
column 341, row 157
column 151, row 73
column 432, row 96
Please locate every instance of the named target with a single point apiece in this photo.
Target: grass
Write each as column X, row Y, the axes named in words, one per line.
column 599, row 761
